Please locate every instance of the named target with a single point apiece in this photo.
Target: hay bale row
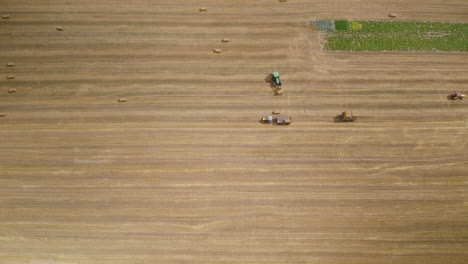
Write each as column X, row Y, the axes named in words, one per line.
column 204, row 9
column 224, row 40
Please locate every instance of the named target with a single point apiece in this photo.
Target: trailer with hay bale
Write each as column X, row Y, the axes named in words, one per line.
column 276, row 120
column 456, row 96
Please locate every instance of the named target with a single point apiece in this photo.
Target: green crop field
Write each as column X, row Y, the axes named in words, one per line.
column 342, row 25
column 400, row 36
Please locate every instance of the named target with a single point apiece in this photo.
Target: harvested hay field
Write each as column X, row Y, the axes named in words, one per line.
column 183, row 172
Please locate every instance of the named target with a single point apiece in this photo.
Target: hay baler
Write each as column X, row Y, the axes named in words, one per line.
column 346, row 117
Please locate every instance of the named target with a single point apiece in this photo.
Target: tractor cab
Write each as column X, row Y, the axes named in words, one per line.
column 275, row 77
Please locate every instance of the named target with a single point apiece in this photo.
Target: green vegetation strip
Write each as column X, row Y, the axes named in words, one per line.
column 398, row 36
column 342, row 25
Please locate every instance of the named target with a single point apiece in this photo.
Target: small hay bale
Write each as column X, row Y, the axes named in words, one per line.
column 275, row 112
column 2, row 114
column 203, row 9
column 225, row 40
column 10, row 76
column 122, row 100
column 392, row 15
column 217, row 51
column 282, row 1
column 10, row 64
column 59, row 28
column 13, row 90
column 6, row 16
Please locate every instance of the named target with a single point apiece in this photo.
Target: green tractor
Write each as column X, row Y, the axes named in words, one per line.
column 275, row 77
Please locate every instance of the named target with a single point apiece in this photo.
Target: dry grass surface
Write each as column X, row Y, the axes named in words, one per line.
column 184, row 173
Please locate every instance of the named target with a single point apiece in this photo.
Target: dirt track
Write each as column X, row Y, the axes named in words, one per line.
column 183, row 172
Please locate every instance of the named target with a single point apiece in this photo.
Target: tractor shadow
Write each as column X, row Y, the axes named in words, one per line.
column 337, row 119
column 269, row 79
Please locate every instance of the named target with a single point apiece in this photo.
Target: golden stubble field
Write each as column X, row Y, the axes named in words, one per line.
column 183, row 172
